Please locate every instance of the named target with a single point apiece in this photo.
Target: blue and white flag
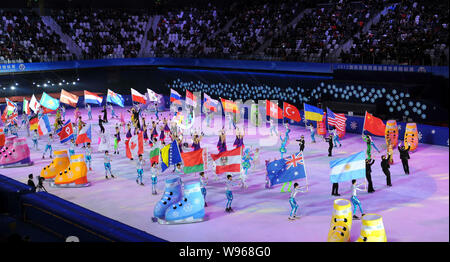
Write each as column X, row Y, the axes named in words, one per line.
column 286, row 169
column 349, row 168
column 49, row 102
column 115, row 98
column 44, row 125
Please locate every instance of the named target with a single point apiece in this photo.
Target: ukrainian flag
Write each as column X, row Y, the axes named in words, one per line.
column 313, row 113
column 345, row 169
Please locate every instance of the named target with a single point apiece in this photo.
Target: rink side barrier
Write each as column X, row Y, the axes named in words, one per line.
column 62, row 218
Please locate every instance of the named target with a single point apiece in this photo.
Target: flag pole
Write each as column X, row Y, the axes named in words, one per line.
column 365, row 114
column 306, row 174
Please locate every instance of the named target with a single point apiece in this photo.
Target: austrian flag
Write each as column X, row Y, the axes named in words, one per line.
column 228, row 161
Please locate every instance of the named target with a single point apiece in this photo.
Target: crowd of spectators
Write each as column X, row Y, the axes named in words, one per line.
column 323, row 30
column 102, row 33
column 413, row 32
column 25, row 38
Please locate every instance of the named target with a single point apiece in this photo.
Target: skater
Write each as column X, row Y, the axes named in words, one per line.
column 87, row 154
column 26, row 123
column 113, row 114
column 245, row 166
column 100, row 124
column 35, row 139
column 72, row 147
column 203, row 183
column 293, row 203
column 178, row 169
column 355, row 200
column 273, row 127
column 313, row 132
column 229, row 193
column 335, row 137
column 230, row 121
column 369, row 175
column 390, row 152
column 256, row 158
column 116, row 140
column 196, row 142
column 155, row 105
column 330, row 144
column 222, row 144
column 89, row 109
column 334, row 189
column 404, row 156
column 140, row 169
column 284, row 141
column 48, row 146
column 30, row 183
column 63, row 110
column 105, row 114
column 144, row 131
column 301, row 143
column 76, row 114
column 153, row 171
column 385, row 167
column 128, row 135
column 107, row 163
column 239, row 141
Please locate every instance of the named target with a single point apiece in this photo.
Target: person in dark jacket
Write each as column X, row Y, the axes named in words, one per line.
column 334, row 189
column 105, row 114
column 301, row 143
column 31, row 182
column 404, row 156
column 330, row 144
column 100, row 124
column 385, row 167
column 369, row 175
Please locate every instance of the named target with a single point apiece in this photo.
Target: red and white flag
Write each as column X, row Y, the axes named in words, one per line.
column 291, row 112
column 273, row 110
column 137, row 97
column 191, row 99
column 34, row 104
column 68, row 98
column 135, row 146
column 228, row 161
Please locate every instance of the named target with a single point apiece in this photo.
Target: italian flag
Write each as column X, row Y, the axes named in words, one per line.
column 26, row 107
column 228, row 161
column 154, row 156
column 193, row 161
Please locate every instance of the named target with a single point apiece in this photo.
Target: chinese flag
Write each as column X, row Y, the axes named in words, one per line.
column 273, row 110
column 291, row 112
column 374, row 125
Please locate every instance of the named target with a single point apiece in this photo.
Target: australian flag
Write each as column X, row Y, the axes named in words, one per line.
column 286, row 169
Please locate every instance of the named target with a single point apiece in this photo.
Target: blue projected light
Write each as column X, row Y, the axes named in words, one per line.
column 414, row 109
column 388, row 103
column 394, row 91
column 406, row 113
column 391, row 109
column 424, row 116
column 424, row 107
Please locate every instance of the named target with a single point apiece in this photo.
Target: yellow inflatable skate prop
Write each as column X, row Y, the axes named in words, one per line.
column 75, row 175
column 391, row 133
column 341, row 221
column 58, row 164
column 411, row 136
column 372, row 229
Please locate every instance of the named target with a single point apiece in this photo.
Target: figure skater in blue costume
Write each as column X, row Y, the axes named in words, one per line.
column 284, row 141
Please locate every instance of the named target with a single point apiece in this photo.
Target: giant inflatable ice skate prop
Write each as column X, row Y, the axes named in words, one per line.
column 391, row 133
column 341, row 221
column 73, row 176
column 172, row 194
column 58, row 164
column 190, row 209
column 9, row 141
column 2, row 138
column 372, row 229
column 16, row 155
column 411, row 136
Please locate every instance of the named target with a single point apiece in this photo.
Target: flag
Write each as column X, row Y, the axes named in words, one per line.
column 228, row 161
column 68, row 98
column 34, row 104
column 65, row 133
column 291, row 112
column 135, row 146
column 175, row 97
column 374, row 125
column 4, row 117
column 193, row 161
column 137, row 97
column 34, row 122
column 191, row 99
column 337, row 120
column 44, row 126
column 11, row 107
column 154, row 156
column 229, row 106
column 152, row 96
column 349, row 168
column 115, row 98
column 286, row 169
column 170, row 155
column 91, row 98
column 313, row 113
column 84, row 136
column 210, row 103
column 25, row 107
column 273, row 110
column 49, row 102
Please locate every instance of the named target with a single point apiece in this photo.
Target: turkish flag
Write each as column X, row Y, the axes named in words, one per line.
column 273, row 110
column 374, row 125
column 291, row 112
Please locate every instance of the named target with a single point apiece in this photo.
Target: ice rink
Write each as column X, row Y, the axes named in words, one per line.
column 416, row 208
